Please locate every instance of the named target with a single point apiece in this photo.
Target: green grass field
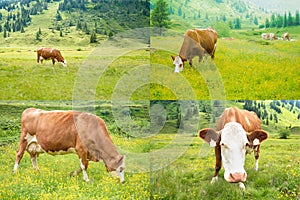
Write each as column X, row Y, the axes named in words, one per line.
column 245, row 67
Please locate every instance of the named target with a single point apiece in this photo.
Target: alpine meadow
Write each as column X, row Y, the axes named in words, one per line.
column 119, row 67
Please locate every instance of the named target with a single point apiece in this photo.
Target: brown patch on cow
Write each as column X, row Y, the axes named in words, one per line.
column 209, row 134
column 261, row 135
column 247, row 119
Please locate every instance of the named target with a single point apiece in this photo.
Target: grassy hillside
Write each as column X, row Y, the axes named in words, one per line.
column 69, row 22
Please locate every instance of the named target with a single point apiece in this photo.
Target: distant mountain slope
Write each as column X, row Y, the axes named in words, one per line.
column 279, row 6
column 197, row 13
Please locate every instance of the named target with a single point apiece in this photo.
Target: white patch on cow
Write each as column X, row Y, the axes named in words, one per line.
column 212, row 143
column 61, row 152
column 256, row 141
column 32, row 144
column 16, row 166
column 51, row 50
column 233, row 148
column 178, row 63
column 64, row 64
column 85, row 176
column 119, row 172
column 256, row 165
column 41, row 58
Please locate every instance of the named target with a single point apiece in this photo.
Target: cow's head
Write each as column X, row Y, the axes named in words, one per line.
column 63, row 63
column 178, row 62
column 234, row 141
column 119, row 171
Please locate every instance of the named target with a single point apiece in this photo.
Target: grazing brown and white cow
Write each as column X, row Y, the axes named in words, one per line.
column 54, row 54
column 286, row 36
column 237, row 132
column 268, row 36
column 196, row 42
column 62, row 132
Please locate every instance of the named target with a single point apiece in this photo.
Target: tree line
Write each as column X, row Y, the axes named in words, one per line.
column 106, row 17
column 18, row 16
column 93, row 17
column 260, row 108
column 277, row 20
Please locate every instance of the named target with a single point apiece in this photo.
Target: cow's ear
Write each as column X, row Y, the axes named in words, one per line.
column 258, row 136
column 173, row 58
column 210, row 136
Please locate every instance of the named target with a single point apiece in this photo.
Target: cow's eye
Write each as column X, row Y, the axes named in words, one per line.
column 121, row 169
column 180, row 65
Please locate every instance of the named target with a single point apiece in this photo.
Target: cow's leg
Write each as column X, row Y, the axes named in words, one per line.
column 191, row 62
column 213, row 52
column 84, row 165
column 34, row 161
column 53, row 61
column 218, row 163
column 21, row 150
column 83, row 168
column 82, row 154
column 256, row 155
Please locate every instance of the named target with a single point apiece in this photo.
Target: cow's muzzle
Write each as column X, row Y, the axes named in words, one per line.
column 237, row 177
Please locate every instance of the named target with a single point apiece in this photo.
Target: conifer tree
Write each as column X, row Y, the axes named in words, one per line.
column 160, row 16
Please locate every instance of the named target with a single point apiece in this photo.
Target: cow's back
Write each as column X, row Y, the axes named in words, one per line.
column 207, row 38
column 190, row 45
column 247, row 119
column 44, row 52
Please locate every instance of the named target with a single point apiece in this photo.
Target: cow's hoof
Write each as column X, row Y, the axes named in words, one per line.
column 86, row 180
column 242, row 186
column 72, row 174
column 214, row 179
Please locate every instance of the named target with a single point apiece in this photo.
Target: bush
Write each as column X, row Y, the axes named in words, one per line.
column 284, row 133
